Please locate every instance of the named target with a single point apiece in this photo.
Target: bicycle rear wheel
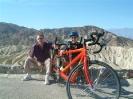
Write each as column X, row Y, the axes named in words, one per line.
column 106, row 84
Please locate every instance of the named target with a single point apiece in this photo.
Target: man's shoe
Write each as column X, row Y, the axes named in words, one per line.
column 46, row 83
column 27, row 78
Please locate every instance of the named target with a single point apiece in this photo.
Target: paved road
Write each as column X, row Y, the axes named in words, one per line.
column 12, row 87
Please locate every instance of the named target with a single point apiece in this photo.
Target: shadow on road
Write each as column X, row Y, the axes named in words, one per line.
column 125, row 93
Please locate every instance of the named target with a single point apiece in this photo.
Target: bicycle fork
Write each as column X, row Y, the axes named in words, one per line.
column 87, row 74
column 92, row 84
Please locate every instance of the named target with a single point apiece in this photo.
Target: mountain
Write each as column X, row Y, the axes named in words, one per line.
column 11, row 34
column 111, row 39
column 125, row 32
column 15, row 42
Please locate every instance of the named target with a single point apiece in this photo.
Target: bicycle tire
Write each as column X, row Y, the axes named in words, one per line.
column 105, row 88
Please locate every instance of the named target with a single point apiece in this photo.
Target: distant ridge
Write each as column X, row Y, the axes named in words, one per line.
column 125, row 32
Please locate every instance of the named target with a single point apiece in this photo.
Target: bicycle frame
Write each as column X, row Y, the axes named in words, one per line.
column 81, row 58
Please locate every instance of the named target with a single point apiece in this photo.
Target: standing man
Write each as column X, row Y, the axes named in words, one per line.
column 39, row 56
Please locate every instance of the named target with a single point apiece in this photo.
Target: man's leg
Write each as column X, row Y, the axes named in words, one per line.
column 48, row 68
column 27, row 67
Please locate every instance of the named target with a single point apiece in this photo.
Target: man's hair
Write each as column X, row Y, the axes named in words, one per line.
column 40, row 34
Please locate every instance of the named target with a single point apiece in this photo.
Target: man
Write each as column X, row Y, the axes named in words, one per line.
column 38, row 56
column 74, row 44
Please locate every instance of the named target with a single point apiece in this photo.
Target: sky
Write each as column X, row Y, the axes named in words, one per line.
column 41, row 14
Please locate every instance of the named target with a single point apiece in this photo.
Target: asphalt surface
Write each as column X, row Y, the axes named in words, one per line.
column 12, row 87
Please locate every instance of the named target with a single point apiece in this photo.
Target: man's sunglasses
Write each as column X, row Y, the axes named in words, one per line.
column 40, row 38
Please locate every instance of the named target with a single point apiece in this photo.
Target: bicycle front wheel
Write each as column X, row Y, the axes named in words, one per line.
column 105, row 81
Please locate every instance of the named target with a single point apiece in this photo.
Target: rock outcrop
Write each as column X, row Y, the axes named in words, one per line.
column 117, row 57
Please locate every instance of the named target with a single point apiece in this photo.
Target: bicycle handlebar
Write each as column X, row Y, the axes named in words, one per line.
column 59, row 44
column 95, row 37
column 95, row 40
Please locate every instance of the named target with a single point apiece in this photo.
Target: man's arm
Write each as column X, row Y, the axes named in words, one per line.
column 31, row 54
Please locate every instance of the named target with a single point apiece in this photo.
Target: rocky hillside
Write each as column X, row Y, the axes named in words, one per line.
column 11, row 34
column 110, row 38
column 14, row 55
column 118, row 57
column 15, row 42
